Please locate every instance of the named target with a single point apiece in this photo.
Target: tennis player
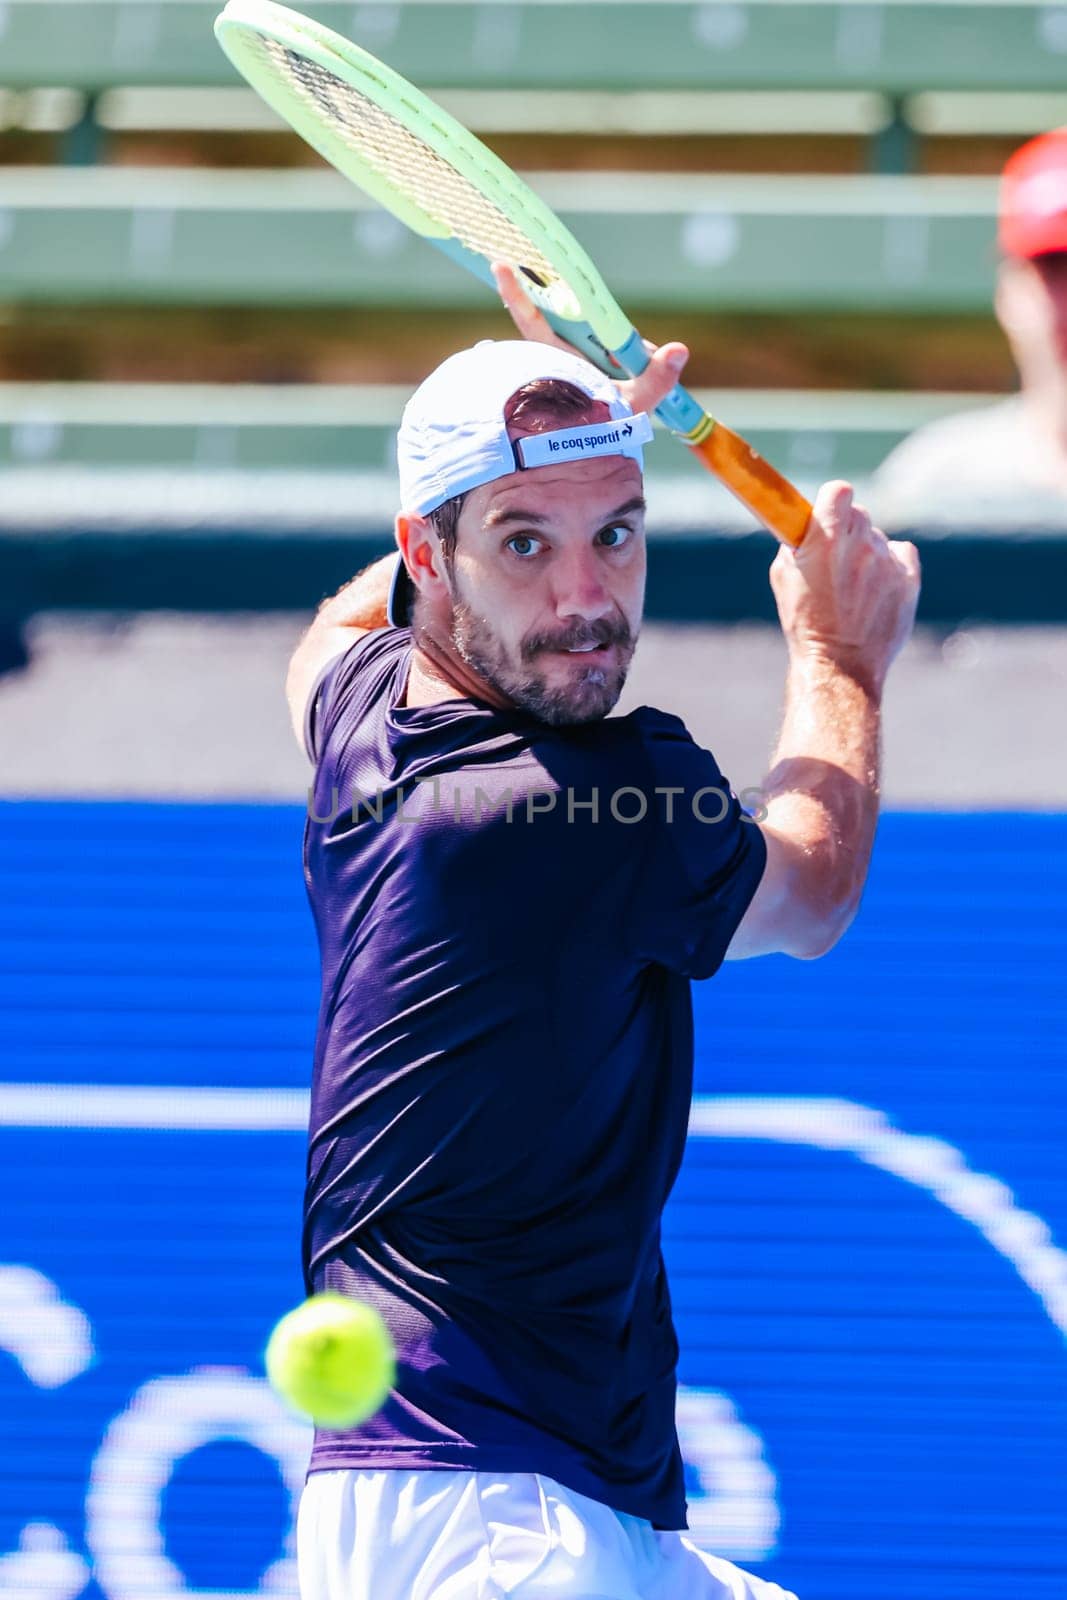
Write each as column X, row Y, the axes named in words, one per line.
column 513, row 892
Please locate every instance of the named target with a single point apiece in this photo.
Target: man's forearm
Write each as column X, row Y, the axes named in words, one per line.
column 846, row 599
column 362, row 602
column 823, row 787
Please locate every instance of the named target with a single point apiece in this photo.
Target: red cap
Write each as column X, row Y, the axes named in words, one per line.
column 1033, row 197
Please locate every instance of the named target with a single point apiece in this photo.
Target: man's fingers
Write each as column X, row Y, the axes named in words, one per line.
column 651, row 387
column 831, row 514
column 907, row 556
column 521, row 309
column 833, row 507
column 839, row 519
column 529, row 320
column 643, row 393
column 860, row 526
column 669, row 359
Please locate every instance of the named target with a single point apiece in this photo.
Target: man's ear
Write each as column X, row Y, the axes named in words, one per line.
column 402, row 534
column 417, row 541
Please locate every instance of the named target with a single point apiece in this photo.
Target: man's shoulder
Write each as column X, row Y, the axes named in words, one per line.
column 973, row 453
column 648, row 722
column 650, row 743
column 960, row 430
column 353, row 675
column 635, row 749
column 369, row 647
column 641, row 728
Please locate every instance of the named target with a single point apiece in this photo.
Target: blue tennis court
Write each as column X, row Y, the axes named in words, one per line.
column 866, row 1243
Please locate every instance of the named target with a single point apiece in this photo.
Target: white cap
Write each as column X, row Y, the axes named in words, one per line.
column 453, row 436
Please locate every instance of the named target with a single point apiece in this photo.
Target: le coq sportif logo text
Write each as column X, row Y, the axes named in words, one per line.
column 593, row 441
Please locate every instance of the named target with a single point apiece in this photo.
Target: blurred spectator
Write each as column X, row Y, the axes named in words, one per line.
column 1006, row 462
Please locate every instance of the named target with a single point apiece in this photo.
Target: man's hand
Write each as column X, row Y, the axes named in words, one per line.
column 642, row 393
column 847, row 596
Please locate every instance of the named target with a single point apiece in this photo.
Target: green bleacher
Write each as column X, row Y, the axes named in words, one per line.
column 899, row 47
column 345, row 428
column 84, row 236
column 305, row 237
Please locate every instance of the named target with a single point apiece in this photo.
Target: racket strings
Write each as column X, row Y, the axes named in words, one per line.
column 409, row 165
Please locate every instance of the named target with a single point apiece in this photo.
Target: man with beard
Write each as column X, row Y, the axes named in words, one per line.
column 512, row 892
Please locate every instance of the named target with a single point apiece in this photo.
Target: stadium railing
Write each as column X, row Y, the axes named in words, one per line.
column 898, row 49
column 352, row 427
column 754, row 243
column 899, row 52
column 881, row 244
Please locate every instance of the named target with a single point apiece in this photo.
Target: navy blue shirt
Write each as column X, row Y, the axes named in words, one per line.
column 509, row 915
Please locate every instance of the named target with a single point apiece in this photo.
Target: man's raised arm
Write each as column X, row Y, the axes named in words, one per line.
column 847, row 602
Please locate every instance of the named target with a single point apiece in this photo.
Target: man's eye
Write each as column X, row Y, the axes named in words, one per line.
column 615, row 538
column 523, row 544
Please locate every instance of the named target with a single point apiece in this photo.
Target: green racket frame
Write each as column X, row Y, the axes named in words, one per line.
column 576, row 302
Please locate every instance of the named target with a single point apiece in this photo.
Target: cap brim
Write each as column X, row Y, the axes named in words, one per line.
column 401, row 597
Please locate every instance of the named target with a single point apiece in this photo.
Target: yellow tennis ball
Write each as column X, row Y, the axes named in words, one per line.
column 332, row 1359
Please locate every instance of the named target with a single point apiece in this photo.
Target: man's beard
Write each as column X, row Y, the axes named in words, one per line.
column 586, row 696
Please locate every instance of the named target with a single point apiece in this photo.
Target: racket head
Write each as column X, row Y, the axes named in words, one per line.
column 422, row 165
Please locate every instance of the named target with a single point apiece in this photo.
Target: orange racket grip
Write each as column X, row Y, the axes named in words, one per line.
column 757, row 485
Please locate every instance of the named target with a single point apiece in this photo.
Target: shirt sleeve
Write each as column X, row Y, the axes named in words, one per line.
column 354, row 672
column 313, row 709
column 703, row 856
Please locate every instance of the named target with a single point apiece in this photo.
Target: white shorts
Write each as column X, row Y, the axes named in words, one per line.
column 450, row 1535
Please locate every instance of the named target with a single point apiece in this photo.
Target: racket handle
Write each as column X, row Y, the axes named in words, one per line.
column 768, row 495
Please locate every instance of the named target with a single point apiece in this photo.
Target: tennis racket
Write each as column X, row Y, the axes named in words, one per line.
column 437, row 178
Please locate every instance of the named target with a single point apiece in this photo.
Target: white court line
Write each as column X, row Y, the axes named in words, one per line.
column 200, row 1109
column 190, row 1110
column 929, row 1164
column 821, row 1123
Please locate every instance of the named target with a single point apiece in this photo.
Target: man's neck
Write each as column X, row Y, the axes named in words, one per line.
column 425, row 687
column 435, row 676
